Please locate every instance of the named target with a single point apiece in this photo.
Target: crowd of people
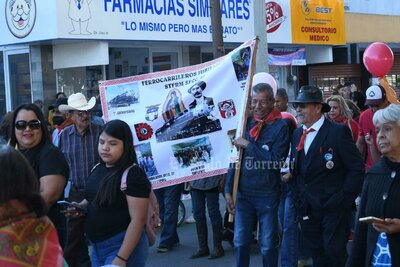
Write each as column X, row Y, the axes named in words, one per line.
column 191, row 155
column 340, row 164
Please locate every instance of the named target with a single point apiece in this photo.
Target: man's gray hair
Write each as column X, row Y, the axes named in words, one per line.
column 387, row 115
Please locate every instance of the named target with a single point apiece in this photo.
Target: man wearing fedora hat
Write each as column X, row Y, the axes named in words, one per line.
column 78, row 142
column 327, row 176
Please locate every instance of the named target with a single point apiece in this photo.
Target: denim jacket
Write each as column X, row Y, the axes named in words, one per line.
column 261, row 160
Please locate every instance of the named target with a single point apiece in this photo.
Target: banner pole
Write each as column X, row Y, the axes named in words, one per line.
column 242, row 129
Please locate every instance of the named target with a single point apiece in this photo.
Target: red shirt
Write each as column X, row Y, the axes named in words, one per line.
column 352, row 124
column 366, row 126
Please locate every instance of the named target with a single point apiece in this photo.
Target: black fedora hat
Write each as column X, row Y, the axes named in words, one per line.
column 58, row 102
column 311, row 94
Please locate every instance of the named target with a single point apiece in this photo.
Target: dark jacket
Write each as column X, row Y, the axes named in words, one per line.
column 261, row 160
column 320, row 186
column 377, row 191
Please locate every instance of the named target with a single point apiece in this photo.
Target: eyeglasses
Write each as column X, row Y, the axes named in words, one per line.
column 299, row 105
column 33, row 125
column 82, row 113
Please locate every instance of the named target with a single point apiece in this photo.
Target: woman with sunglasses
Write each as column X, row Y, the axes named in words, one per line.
column 29, row 134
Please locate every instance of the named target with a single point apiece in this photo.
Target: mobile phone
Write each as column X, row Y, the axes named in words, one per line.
column 70, row 205
column 371, row 219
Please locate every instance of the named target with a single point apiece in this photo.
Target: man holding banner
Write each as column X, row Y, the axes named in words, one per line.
column 266, row 146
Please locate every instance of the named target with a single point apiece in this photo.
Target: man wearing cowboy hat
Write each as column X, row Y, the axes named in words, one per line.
column 78, row 142
column 327, row 176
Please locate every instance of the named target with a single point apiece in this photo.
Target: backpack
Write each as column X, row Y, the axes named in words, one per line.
column 153, row 214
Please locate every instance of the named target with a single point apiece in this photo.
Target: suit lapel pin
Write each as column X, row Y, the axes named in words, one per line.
column 328, row 156
column 330, row 164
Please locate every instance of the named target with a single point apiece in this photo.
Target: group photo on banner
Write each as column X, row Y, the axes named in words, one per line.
column 183, row 120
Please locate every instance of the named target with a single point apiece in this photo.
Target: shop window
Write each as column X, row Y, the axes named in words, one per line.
column 328, row 84
column 125, row 62
column 81, row 80
column 393, row 80
column 164, row 61
column 2, row 89
column 20, row 79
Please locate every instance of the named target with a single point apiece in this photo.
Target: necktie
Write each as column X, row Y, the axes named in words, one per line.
column 303, row 138
column 79, row 4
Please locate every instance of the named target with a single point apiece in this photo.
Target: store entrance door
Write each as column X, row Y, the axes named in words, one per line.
column 17, row 77
column 3, row 105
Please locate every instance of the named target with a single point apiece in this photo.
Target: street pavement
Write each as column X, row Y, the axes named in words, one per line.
column 179, row 256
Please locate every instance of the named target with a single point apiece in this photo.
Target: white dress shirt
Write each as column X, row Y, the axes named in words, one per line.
column 310, row 136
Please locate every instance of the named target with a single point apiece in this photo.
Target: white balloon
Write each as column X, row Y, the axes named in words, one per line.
column 263, row 77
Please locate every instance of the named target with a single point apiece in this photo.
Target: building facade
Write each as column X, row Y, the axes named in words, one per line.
column 51, row 46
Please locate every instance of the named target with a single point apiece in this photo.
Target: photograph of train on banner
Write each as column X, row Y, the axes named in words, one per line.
column 181, row 122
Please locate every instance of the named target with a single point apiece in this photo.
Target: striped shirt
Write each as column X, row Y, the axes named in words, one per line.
column 80, row 152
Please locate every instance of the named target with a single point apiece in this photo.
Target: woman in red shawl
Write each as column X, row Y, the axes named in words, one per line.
column 341, row 113
column 27, row 236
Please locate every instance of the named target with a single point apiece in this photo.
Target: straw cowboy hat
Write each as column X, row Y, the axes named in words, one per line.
column 78, row 102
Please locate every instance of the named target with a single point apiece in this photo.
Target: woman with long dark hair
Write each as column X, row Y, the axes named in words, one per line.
column 115, row 220
column 27, row 237
column 29, row 134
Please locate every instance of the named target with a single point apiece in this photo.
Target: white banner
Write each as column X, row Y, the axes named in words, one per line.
column 183, row 120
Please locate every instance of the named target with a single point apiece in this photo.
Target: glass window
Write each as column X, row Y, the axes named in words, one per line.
column 81, row 80
column 20, row 79
column 2, row 88
column 328, row 84
column 164, row 61
column 125, row 62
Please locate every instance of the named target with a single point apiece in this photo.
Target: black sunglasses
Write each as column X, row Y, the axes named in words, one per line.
column 33, row 125
column 299, row 105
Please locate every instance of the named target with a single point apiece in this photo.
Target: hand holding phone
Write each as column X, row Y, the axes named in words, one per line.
column 72, row 205
column 371, row 219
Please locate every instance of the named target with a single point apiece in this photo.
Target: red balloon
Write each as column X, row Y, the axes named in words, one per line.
column 378, row 59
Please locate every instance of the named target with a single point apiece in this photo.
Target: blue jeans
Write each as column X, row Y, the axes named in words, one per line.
column 266, row 210
column 199, row 200
column 104, row 252
column 289, row 227
column 168, row 201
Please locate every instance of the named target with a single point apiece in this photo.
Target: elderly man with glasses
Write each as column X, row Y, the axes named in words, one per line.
column 327, row 176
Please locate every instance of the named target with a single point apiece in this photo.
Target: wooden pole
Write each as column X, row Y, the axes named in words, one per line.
column 216, row 26
column 242, row 129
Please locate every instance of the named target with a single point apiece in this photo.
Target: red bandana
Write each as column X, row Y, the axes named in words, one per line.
column 272, row 116
column 341, row 119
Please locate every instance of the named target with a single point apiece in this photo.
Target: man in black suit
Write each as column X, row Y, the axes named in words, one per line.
column 328, row 173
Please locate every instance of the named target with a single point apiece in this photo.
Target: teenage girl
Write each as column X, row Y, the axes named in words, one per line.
column 115, row 220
